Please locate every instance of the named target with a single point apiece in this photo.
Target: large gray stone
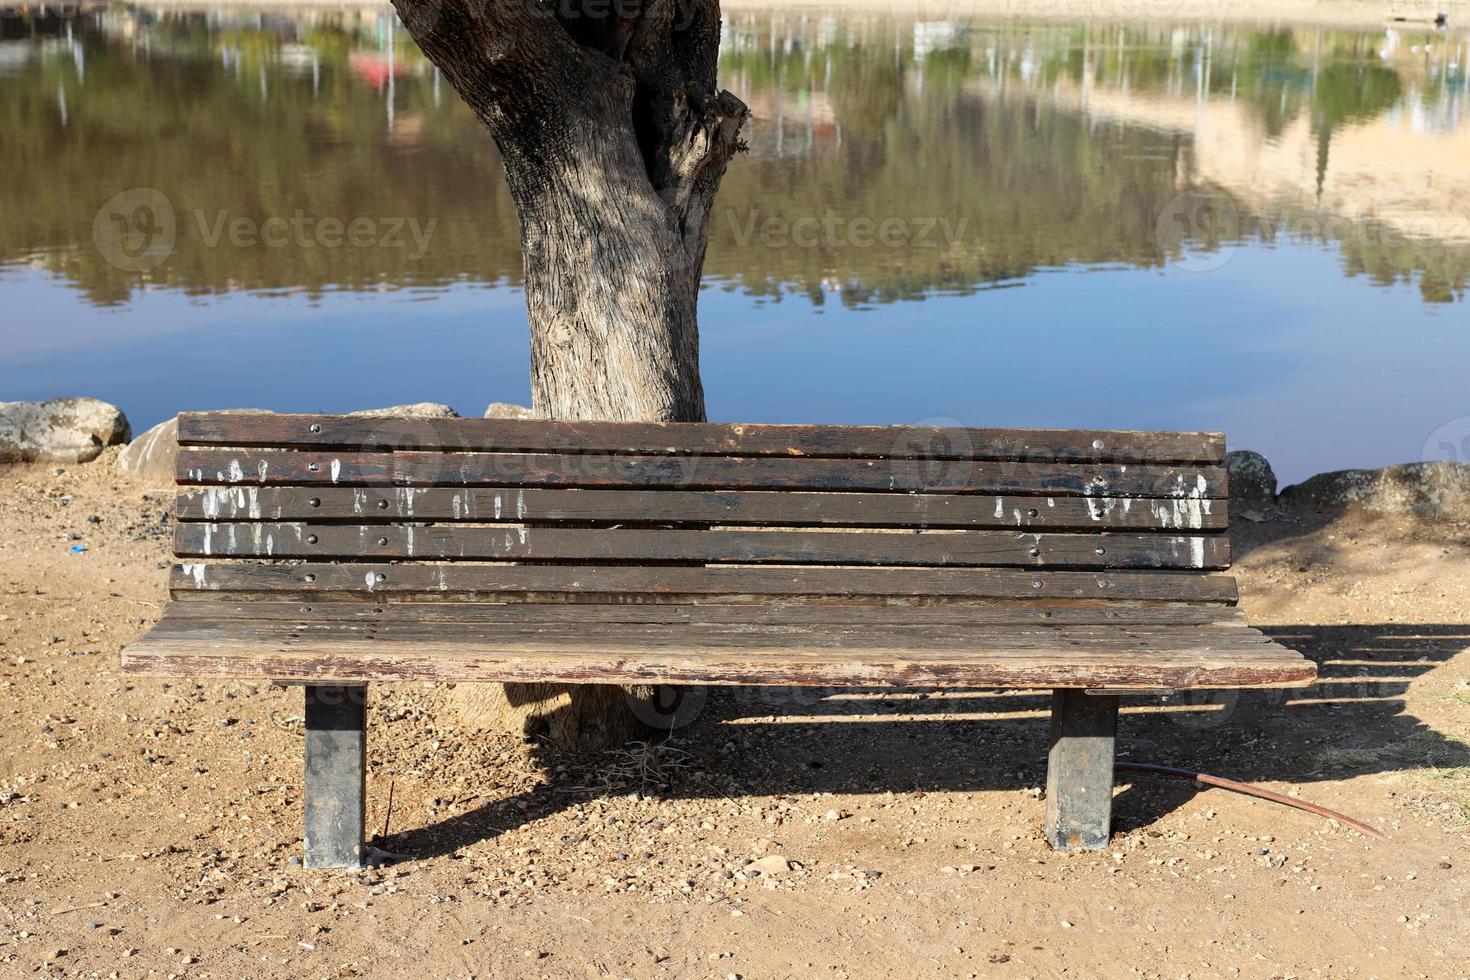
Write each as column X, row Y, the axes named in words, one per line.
column 151, row 456
column 418, row 410
column 62, row 430
column 508, row 410
column 1434, row 490
column 1252, row 481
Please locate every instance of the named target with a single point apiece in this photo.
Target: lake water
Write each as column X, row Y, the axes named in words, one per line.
column 1265, row 231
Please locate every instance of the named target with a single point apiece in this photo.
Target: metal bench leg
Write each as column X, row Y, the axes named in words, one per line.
column 336, row 767
column 1079, row 773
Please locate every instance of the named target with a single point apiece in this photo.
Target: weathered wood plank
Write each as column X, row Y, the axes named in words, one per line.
column 692, row 655
column 231, row 467
column 784, row 547
column 989, row 614
column 906, row 442
column 457, row 581
column 762, row 507
column 953, row 641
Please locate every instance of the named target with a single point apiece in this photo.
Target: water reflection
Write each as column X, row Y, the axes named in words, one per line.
column 889, row 161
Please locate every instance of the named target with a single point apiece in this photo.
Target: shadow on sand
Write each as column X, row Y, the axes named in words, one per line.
column 780, row 741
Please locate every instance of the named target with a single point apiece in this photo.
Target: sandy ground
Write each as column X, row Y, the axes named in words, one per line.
column 149, row 828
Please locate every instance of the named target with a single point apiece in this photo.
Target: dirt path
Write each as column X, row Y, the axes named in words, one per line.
column 148, row 828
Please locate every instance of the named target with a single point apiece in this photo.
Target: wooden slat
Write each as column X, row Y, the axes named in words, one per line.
column 762, row 507
column 990, row 614
column 883, row 442
column 783, row 547
column 684, row 653
column 451, row 581
column 954, row 640
column 469, row 469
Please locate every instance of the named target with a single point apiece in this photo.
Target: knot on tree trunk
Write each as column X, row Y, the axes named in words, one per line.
column 697, row 162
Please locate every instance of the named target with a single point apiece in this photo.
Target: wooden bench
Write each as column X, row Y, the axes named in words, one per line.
column 335, row 551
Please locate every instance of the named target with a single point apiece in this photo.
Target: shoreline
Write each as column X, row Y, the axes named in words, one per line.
column 1358, row 14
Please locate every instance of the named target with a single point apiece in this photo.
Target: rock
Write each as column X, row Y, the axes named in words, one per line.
column 1433, row 490
column 507, row 410
column 62, row 430
column 1252, row 481
column 151, row 456
column 418, row 410
column 771, row 864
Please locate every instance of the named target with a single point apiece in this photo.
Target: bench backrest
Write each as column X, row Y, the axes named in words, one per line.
column 494, row 509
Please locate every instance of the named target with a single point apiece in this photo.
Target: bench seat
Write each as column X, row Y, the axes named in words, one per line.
column 1043, row 647
column 335, row 552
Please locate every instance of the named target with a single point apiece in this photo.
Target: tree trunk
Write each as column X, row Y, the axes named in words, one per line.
column 614, row 139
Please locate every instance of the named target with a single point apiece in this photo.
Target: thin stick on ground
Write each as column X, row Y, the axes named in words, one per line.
column 388, row 813
column 1257, row 791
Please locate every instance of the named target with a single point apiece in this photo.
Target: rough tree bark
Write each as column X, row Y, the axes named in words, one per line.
column 614, row 138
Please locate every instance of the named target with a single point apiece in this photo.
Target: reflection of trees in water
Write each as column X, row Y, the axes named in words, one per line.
column 219, row 125
column 276, row 116
column 1348, row 93
column 1040, row 186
